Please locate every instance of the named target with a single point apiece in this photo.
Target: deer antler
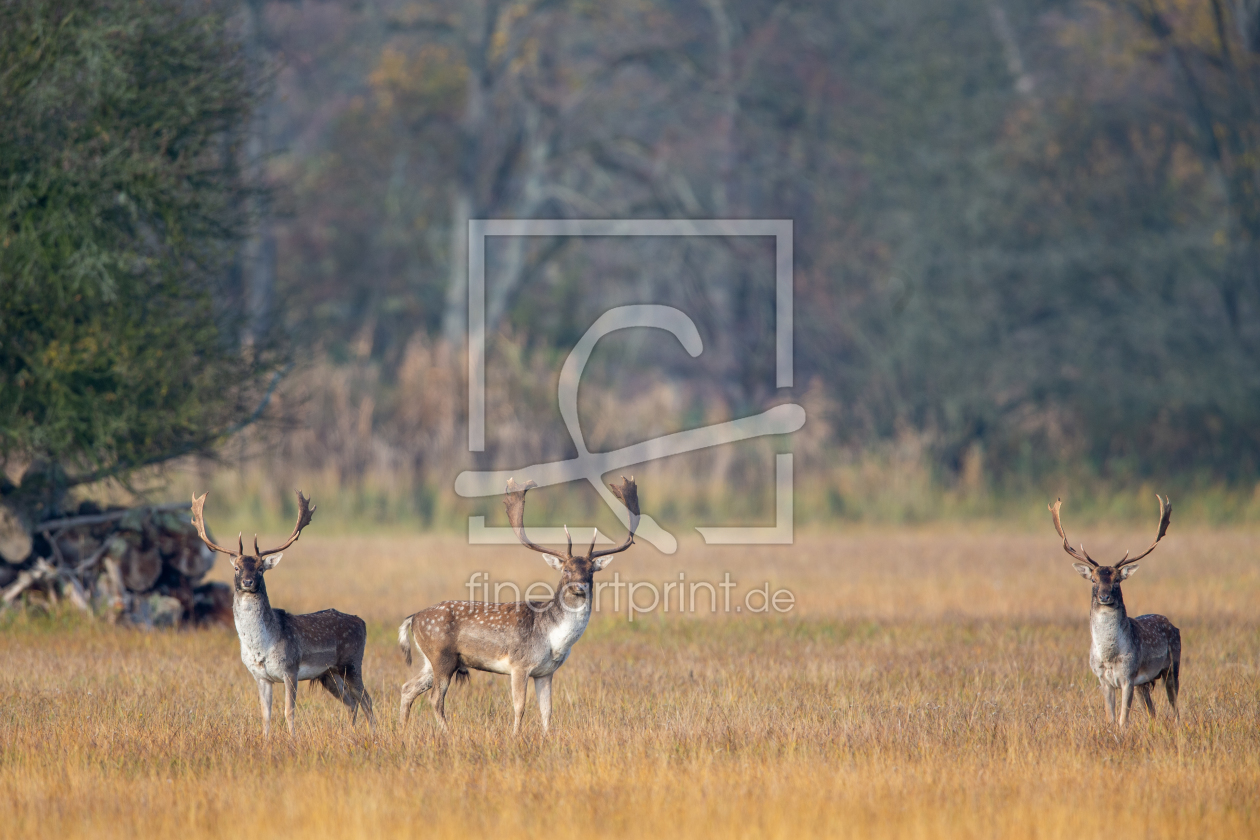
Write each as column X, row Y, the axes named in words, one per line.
column 515, row 504
column 1067, row 546
column 1165, row 517
column 305, row 512
column 199, row 521
column 628, row 494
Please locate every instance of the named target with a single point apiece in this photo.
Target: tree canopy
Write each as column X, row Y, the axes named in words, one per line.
column 122, row 209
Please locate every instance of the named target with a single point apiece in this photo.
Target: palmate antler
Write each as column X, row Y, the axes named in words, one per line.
column 305, row 511
column 1067, row 546
column 627, row 493
column 515, row 504
column 199, row 522
column 1165, row 517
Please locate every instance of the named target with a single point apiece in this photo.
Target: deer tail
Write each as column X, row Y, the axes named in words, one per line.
column 404, row 637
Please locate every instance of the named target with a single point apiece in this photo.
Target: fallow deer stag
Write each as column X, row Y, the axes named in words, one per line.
column 1127, row 654
column 277, row 647
column 522, row 639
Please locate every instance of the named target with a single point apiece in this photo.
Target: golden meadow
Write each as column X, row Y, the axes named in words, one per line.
column 930, row 681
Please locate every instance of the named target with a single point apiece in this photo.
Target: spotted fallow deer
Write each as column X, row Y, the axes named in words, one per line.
column 277, row 647
column 1127, row 654
column 522, row 639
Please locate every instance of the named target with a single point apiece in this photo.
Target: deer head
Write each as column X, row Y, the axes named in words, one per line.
column 250, row 567
column 1106, row 579
column 576, row 570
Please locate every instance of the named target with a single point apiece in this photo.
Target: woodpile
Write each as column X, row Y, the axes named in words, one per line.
column 143, row 566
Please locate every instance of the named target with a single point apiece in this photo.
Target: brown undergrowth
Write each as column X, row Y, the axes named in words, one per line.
column 925, row 684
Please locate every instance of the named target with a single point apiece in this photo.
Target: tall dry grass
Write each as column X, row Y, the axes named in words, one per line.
column 930, row 683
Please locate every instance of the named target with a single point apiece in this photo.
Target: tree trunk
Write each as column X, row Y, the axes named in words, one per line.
column 537, row 153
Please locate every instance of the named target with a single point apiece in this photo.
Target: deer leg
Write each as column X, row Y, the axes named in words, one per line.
column 1170, row 688
column 290, row 699
column 1145, row 691
column 1109, row 697
column 264, row 700
column 438, row 699
column 542, row 687
column 412, row 689
column 334, row 685
column 345, row 690
column 354, row 677
column 1172, row 674
column 520, row 688
column 1126, row 703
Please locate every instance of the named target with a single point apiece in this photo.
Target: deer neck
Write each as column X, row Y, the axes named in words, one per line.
column 1109, row 626
column 254, row 616
column 564, row 623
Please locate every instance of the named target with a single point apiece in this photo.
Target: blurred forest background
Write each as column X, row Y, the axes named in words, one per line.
column 1027, row 249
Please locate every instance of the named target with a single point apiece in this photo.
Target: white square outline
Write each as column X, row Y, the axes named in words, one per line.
column 780, row 229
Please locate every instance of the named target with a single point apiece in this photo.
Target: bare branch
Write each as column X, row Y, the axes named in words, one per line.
column 201, row 445
column 109, row 516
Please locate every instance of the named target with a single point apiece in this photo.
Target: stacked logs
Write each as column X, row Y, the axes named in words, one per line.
column 142, row 566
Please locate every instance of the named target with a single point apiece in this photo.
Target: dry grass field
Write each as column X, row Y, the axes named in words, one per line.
column 927, row 683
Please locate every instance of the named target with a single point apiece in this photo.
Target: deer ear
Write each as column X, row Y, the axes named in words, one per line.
column 1127, row 570
column 601, row 563
column 554, row 562
column 1084, row 571
column 271, row 562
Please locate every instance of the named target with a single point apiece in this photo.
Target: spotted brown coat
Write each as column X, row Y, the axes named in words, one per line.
column 523, row 639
